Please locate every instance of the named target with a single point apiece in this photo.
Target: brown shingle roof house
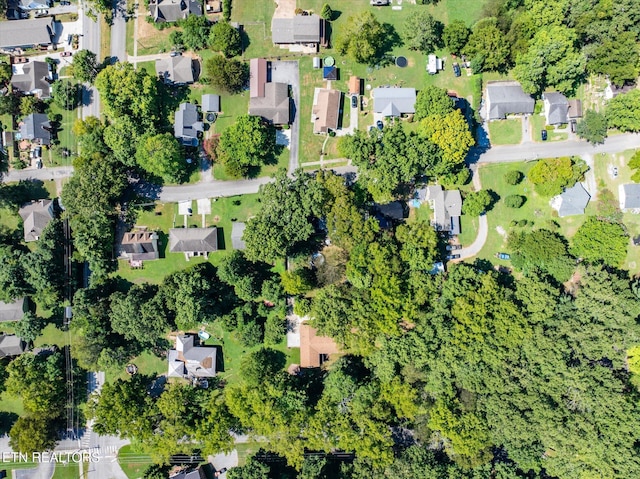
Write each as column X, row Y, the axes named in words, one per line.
column 193, row 241
column 315, row 350
column 326, row 110
column 189, row 359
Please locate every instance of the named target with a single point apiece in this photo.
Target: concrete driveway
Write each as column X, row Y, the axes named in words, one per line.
column 289, row 72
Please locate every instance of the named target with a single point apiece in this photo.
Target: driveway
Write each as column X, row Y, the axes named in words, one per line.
column 44, row 470
column 289, row 72
column 285, row 9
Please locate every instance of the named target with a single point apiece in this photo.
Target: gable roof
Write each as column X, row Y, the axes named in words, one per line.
column 140, row 245
column 178, row 69
column 35, row 215
column 575, row 108
column 237, row 230
column 274, row 105
column 354, row 85
column 11, row 345
column 330, row 73
column 189, row 359
column 36, row 127
column 31, row 78
column 313, row 348
column 447, row 208
column 211, row 103
column 394, row 101
column 394, row 210
column 20, row 33
column 326, row 110
column 556, row 108
column 257, row 77
column 186, row 123
column 12, row 311
column 193, row 240
column 573, row 201
column 629, row 196
column 174, row 10
column 299, row 29
column 505, row 97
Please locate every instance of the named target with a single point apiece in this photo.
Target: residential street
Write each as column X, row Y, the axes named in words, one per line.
column 90, row 40
column 119, row 31
column 213, row 189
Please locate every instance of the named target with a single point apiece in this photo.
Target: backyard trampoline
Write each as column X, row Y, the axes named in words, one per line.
column 401, row 62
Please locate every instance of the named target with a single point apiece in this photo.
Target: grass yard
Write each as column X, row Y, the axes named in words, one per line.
column 245, row 451
column 10, row 219
column 66, row 471
column 505, row 132
column 151, row 40
column 52, row 335
column 132, row 462
column 538, row 123
column 232, row 107
column 66, row 137
column 11, row 404
column 149, row 66
column 105, row 39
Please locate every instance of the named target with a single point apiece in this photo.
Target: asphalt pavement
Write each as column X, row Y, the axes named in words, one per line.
column 90, row 40
column 119, row 31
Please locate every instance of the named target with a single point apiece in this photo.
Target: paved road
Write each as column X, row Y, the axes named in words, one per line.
column 90, row 40
column 44, row 174
column 44, row 470
column 289, row 72
column 213, row 189
column 532, row 151
column 119, row 31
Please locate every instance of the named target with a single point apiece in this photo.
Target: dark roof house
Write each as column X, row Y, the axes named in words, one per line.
column 573, row 201
column 447, row 208
column 330, row 73
column 190, row 359
column 393, row 102
column 308, row 29
column 32, row 79
column 140, row 245
column 187, row 124
column 13, row 311
column 211, row 103
column 35, row 217
column 177, row 70
column 193, row 241
column 507, row 97
column 556, row 108
column 575, row 108
column 629, row 197
column 26, row 33
column 326, row 110
column 237, row 230
column 11, row 345
column 36, row 128
column 173, row 10
column 274, row 106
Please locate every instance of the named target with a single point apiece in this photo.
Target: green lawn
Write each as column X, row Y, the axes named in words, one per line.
column 232, row 107
column 132, row 462
column 505, row 132
column 10, row 219
column 538, row 123
column 67, row 471
column 11, row 404
column 52, row 335
column 65, row 135
column 149, row 66
column 245, row 451
column 151, row 40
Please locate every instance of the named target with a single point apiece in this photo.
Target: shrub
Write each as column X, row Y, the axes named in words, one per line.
column 514, row 201
column 513, row 177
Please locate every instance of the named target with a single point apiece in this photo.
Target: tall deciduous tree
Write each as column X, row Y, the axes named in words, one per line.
column 66, row 94
column 599, row 240
column 423, row 32
column 162, row 156
column 623, row 111
column 451, row 134
column 592, row 127
column 225, row 74
column 488, row 45
column 226, row 39
column 362, row 38
column 195, row 32
column 85, row 66
column 455, row 36
column 433, row 100
column 249, row 142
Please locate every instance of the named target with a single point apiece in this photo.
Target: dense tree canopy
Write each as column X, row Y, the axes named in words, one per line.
column 433, row 100
column 161, row 155
column 455, row 36
column 592, row 127
column 599, row 240
column 550, row 176
column 85, row 66
column 227, row 75
column 362, row 38
column 422, row 32
column 623, row 111
column 226, row 39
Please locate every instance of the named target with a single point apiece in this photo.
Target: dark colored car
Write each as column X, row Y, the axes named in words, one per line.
column 65, row 4
column 452, row 256
column 573, row 126
column 175, row 54
column 354, row 101
column 379, row 124
column 456, row 69
column 451, row 247
column 503, row 256
column 37, row 152
column 543, row 135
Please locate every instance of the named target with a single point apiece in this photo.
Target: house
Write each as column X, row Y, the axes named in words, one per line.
column 36, row 128
column 13, row 311
column 270, row 100
column 629, row 197
column 575, row 109
column 504, row 98
column 301, row 29
column 176, row 70
column 572, row 201
column 354, row 85
column 447, row 208
column 27, row 5
column 237, row 230
column 32, row 78
column 556, row 108
column 11, row 345
column 380, row 3
column 140, row 245
column 257, row 77
column 389, row 213
column 193, row 241
column 326, row 110
column 211, row 103
column 173, row 10
column 187, row 124
column 315, row 350
column 394, row 101
column 36, row 215
column 329, row 73
column 191, row 360
column 26, row 33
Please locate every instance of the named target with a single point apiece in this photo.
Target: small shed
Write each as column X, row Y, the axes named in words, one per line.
column 317, row 63
column 354, row 85
column 211, row 103
column 7, row 138
column 330, row 73
column 432, row 64
column 237, row 230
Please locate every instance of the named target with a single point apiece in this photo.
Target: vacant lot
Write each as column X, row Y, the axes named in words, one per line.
column 505, row 132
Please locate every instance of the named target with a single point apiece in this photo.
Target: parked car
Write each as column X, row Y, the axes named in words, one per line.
column 451, row 247
column 573, row 126
column 66, row 54
column 614, row 171
column 175, row 54
column 503, row 256
column 456, row 69
column 379, row 124
column 543, row 135
column 37, row 152
column 65, row 3
column 354, row 101
column 452, row 256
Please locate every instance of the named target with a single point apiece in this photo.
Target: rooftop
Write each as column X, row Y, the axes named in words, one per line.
column 394, row 101
column 19, row 33
column 274, row 105
column 177, row 69
column 299, row 29
column 36, row 215
column 507, row 97
column 193, row 240
column 326, row 110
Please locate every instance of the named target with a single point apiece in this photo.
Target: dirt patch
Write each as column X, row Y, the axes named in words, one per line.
column 149, row 36
column 285, row 9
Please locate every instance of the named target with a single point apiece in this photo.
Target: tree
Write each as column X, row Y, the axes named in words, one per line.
column 5, row 73
column 66, row 94
column 161, row 155
column 31, row 434
column 122, row 135
column 599, row 240
column 30, row 327
column 9, row 104
column 326, row 13
column 422, row 32
column 298, row 281
column 592, row 127
column 541, row 250
column 551, row 175
column 514, row 201
column 634, row 164
column 13, row 281
column 84, row 66
column 623, row 111
column 450, row 133
column 226, row 39
column 195, row 32
column 513, row 177
column 476, row 203
column 488, row 46
column 261, row 365
column 30, row 104
column 228, row 75
column 616, row 57
column 455, row 36
column 362, row 38
column 432, row 100
column 253, row 469
column 249, row 142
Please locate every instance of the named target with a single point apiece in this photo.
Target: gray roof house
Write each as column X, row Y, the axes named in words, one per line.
column 173, row 10
column 556, row 108
column 26, row 33
column 572, row 201
column 274, row 106
column 447, row 208
column 187, row 124
column 13, row 311
column 211, row 103
column 11, row 345
column 176, row 70
column 237, row 230
column 307, row 29
column 32, row 79
column 197, row 473
column 140, row 246
column 36, row 128
column 35, row 217
column 193, row 241
column 507, row 97
column 629, row 197
column 394, row 101
column 189, row 359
